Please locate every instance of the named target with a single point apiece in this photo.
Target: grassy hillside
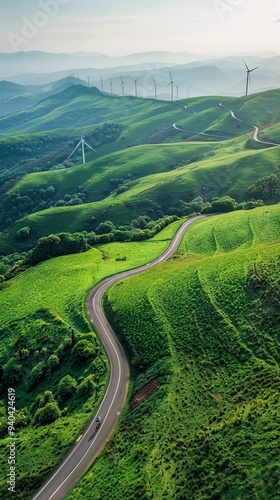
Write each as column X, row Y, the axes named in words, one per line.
column 82, row 106
column 141, row 180
column 258, row 109
column 126, row 175
column 36, row 351
column 204, row 327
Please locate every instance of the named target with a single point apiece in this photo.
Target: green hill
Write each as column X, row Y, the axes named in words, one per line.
column 203, row 331
column 144, row 180
column 79, row 106
column 37, row 352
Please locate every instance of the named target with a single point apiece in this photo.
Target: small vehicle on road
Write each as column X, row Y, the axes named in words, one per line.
column 98, row 422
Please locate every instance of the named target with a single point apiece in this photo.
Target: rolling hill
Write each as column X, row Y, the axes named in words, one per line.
column 123, row 182
column 15, row 98
column 204, row 327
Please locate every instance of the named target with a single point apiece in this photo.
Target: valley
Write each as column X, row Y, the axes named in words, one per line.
column 202, row 327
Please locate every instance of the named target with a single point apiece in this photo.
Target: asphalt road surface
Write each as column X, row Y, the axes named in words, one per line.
column 94, row 439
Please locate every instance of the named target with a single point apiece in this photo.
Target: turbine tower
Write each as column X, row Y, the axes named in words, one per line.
column 82, row 143
column 177, row 88
column 135, row 84
column 122, row 85
column 248, row 79
column 171, row 83
column 101, row 81
column 111, row 85
column 155, row 87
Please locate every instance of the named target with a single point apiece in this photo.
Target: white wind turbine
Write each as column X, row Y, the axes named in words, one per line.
column 101, row 81
column 82, row 143
column 156, row 85
column 248, row 79
column 171, row 83
column 177, row 88
column 122, row 85
column 135, row 84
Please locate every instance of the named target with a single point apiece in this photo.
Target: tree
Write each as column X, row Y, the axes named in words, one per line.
column 67, row 387
column 11, row 372
column 38, row 372
column 83, row 350
column 23, row 233
column 45, row 248
column 105, row 227
column 48, row 414
column 225, row 204
column 53, row 362
column 86, row 387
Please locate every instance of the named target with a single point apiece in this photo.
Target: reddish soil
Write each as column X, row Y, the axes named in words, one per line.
column 144, row 393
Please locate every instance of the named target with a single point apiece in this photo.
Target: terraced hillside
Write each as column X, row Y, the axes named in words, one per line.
column 205, row 326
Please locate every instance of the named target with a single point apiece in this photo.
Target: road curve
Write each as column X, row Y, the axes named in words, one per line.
column 256, row 129
column 93, row 440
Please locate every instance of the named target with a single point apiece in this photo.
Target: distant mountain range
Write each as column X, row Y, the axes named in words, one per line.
column 17, row 63
column 191, row 75
column 15, row 97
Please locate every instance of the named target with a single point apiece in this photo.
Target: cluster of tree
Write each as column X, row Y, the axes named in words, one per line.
column 266, row 188
column 11, row 265
column 55, row 245
column 80, row 350
column 16, row 205
column 139, row 229
column 222, row 205
column 15, row 151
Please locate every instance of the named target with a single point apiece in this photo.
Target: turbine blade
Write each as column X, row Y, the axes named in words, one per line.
column 75, row 148
column 246, row 66
column 250, row 71
column 89, row 146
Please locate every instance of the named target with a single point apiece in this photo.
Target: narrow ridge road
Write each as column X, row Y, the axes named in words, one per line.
column 256, row 133
column 93, row 440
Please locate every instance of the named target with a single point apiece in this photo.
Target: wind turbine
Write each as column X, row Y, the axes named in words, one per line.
column 248, row 79
column 83, row 144
column 122, row 85
column 111, row 85
column 177, row 87
column 135, row 84
column 155, row 87
column 88, row 81
column 101, row 84
column 171, row 83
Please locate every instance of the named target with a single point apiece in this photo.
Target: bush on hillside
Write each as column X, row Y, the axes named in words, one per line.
column 83, row 350
column 47, row 414
column 66, row 387
column 23, row 233
column 105, row 227
column 11, row 372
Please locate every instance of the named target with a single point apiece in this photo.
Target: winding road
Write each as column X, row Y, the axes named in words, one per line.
column 213, row 135
column 256, row 132
column 94, row 439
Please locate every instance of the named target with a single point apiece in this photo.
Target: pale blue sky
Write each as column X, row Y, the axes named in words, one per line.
column 119, row 27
